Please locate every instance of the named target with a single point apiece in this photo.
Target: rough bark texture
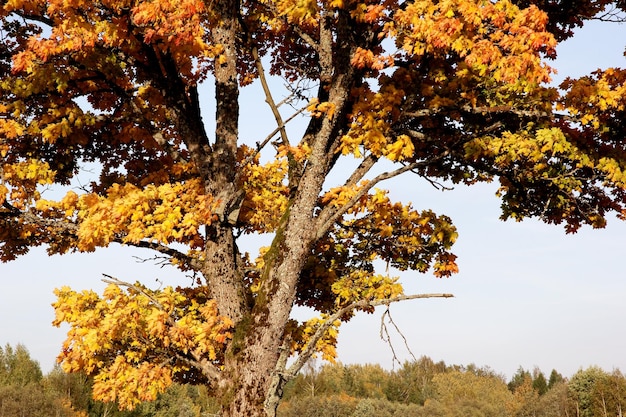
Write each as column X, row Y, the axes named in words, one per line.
column 221, row 253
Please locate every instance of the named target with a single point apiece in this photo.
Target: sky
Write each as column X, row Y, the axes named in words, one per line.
column 527, row 294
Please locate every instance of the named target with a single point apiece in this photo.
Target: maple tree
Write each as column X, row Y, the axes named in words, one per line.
column 451, row 91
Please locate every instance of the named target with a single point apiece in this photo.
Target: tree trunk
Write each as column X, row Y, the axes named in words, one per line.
column 251, row 385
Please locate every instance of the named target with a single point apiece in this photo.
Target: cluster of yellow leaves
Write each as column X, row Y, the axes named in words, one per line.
column 299, row 153
column 365, row 285
column 19, row 181
column 535, row 150
column 9, row 129
column 266, row 189
column 496, row 38
column 129, row 384
column 172, row 212
column 301, row 336
column 372, row 117
column 547, row 156
column 317, row 109
column 541, row 150
column 591, row 98
column 340, row 196
column 536, row 147
column 401, row 236
column 135, row 342
column 301, row 12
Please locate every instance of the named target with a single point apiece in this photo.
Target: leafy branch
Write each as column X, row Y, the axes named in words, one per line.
column 209, row 370
column 329, row 215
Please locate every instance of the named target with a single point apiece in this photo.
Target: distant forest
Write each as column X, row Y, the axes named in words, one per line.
column 416, row 389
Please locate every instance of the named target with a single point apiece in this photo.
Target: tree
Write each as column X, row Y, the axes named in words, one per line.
column 17, row 367
column 555, row 378
column 587, row 393
column 520, row 378
column 539, row 382
column 466, row 393
column 555, row 402
column 22, row 391
column 412, row 383
column 526, row 398
column 101, row 104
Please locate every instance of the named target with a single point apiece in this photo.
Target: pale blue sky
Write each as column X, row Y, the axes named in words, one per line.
column 527, row 294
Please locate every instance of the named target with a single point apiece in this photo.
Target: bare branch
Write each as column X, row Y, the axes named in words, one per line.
column 268, row 96
column 611, row 14
column 368, row 162
column 534, row 114
column 384, row 335
column 203, row 365
column 262, row 144
column 61, row 226
column 310, row 347
column 166, row 250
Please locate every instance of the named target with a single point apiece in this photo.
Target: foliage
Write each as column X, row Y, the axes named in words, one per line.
column 448, row 92
column 154, row 322
column 339, row 390
column 424, row 388
column 594, row 391
column 23, row 392
column 412, row 382
column 468, row 394
column 17, row 367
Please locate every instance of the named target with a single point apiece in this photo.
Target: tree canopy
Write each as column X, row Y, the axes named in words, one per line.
column 104, row 139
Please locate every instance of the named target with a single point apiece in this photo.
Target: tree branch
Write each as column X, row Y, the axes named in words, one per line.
column 261, row 145
column 210, row 371
column 34, row 17
column 310, row 347
column 535, row 114
column 327, row 217
column 202, row 364
column 63, row 226
column 112, row 280
column 268, row 96
column 166, row 250
column 368, row 162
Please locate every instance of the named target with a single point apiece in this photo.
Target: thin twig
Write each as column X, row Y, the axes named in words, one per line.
column 112, row 280
column 264, row 142
column 387, row 337
column 166, row 250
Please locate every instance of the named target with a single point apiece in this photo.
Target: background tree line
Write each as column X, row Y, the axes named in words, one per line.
column 418, row 388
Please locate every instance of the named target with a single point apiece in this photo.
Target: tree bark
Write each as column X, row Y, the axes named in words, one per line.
column 222, row 258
